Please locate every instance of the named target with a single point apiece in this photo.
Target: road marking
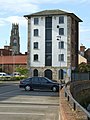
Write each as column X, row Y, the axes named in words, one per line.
column 29, row 103
column 15, row 113
column 8, row 92
column 6, row 106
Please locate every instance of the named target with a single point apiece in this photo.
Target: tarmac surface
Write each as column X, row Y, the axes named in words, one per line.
column 17, row 104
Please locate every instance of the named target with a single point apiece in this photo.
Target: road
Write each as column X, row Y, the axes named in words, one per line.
column 17, row 104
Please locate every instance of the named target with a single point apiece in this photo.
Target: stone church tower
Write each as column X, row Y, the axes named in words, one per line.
column 15, row 39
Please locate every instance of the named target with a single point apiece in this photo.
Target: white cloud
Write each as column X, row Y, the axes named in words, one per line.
column 13, row 19
column 13, row 11
column 17, row 19
column 28, row 6
column 17, row 6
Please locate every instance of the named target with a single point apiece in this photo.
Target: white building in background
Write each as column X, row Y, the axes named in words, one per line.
column 52, row 43
column 81, row 59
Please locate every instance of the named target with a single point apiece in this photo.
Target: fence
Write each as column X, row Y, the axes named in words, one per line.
column 82, row 113
column 80, row 76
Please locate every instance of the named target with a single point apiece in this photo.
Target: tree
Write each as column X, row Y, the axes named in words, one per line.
column 22, row 71
column 83, row 67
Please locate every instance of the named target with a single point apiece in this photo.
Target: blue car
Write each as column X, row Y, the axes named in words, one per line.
column 42, row 83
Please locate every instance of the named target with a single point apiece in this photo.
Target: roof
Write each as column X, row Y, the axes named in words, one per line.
column 88, row 50
column 53, row 12
column 13, row 59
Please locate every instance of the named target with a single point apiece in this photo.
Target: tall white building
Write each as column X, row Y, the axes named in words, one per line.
column 52, row 43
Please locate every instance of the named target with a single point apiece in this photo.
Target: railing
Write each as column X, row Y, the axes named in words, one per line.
column 82, row 113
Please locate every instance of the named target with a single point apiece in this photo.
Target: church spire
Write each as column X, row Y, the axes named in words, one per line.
column 15, row 39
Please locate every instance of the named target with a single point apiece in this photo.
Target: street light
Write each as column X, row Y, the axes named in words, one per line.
column 59, row 39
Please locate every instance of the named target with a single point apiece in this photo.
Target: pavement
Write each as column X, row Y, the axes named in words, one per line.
column 66, row 112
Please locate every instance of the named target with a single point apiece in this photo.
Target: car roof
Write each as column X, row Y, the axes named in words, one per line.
column 2, row 73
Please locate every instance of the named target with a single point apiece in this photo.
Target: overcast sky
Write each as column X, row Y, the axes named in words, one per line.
column 13, row 12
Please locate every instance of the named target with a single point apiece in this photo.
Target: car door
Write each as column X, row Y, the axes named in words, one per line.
column 45, row 84
column 35, row 83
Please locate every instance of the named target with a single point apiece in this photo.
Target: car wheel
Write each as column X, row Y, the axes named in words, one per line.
column 27, row 88
column 54, row 88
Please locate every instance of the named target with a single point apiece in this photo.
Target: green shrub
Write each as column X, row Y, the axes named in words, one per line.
column 12, row 78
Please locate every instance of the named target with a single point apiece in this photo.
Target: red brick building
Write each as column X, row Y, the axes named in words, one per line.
column 5, row 52
column 9, row 63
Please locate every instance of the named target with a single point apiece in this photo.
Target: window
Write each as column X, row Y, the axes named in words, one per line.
column 48, row 34
column 36, row 21
column 48, row 22
column 61, row 74
column 61, row 45
column 15, row 31
column 35, row 57
column 43, row 80
column 35, row 32
column 61, row 31
column 61, row 19
column 35, row 45
column 35, row 80
column 48, row 47
column 35, row 72
column 61, row 57
column 48, row 60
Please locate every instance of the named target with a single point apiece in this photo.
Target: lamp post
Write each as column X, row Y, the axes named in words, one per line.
column 59, row 39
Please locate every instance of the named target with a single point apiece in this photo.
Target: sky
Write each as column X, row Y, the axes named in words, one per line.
column 12, row 11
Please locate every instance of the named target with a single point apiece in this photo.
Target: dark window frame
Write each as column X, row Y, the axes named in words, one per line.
column 61, row 57
column 61, row 31
column 36, row 21
column 61, row 45
column 48, row 60
column 48, row 47
column 36, row 32
column 35, row 45
column 61, row 20
column 35, row 57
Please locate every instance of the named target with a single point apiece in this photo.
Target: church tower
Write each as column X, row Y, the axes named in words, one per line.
column 15, row 39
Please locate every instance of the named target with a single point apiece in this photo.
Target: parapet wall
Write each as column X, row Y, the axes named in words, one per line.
column 80, row 90
column 70, row 109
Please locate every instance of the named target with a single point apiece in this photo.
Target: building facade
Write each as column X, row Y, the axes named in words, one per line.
column 87, row 55
column 52, row 43
column 81, row 59
column 15, row 39
column 9, row 63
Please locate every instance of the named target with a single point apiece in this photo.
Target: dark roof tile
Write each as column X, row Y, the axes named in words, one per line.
column 53, row 12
